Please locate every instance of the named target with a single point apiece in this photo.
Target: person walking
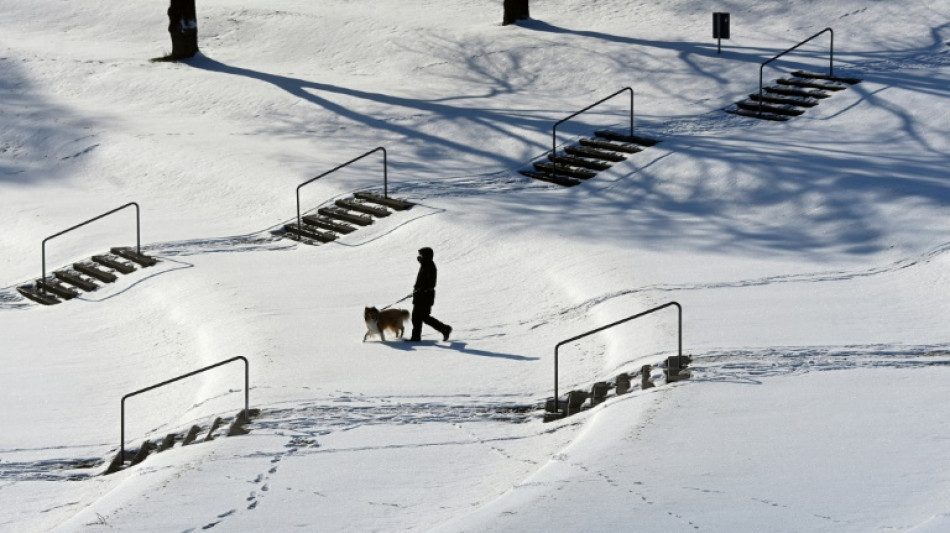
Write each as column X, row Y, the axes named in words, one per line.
column 423, row 298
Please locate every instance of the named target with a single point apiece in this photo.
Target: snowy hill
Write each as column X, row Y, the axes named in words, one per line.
column 810, row 258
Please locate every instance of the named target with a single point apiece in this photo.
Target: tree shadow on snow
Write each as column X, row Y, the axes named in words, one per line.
column 501, row 121
column 47, row 136
column 752, row 195
column 685, row 49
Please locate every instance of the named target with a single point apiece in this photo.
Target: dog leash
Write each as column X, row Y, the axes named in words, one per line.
column 399, row 301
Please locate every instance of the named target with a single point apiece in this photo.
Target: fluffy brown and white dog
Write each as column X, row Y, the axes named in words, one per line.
column 377, row 322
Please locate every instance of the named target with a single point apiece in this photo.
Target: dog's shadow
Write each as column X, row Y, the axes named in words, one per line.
column 458, row 346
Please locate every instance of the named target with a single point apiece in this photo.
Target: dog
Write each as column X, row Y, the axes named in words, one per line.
column 377, row 322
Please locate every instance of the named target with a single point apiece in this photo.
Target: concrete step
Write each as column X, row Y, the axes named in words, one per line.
column 363, row 207
column 240, row 420
column 37, row 296
column 787, row 100
column 676, row 368
column 624, row 138
column 598, row 393
column 144, row 450
column 341, row 214
column 216, row 424
column 392, row 203
column 191, row 436
column 610, row 146
column 58, row 289
column 311, row 233
column 571, row 404
column 593, row 153
column 818, row 76
column 564, row 170
column 801, row 93
column 114, row 264
column 95, row 272
column 575, row 161
column 806, row 84
column 762, row 107
column 328, row 224
column 75, row 280
column 762, row 116
column 544, row 176
column 167, row 443
column 135, row 257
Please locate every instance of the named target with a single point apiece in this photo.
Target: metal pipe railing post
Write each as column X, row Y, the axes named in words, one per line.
column 588, row 108
column 831, row 55
column 247, row 380
column 679, row 335
column 631, row 112
column 338, row 167
column 557, row 405
column 138, row 233
column 385, row 173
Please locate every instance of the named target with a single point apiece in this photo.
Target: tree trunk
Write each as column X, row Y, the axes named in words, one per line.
column 515, row 10
column 183, row 28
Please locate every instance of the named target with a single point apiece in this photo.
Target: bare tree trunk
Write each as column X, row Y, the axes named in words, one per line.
column 515, row 10
column 183, row 28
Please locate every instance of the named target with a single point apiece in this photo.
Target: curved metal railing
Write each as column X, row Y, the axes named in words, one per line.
column 588, row 108
column 350, row 162
column 831, row 60
column 179, row 378
column 138, row 232
column 557, row 406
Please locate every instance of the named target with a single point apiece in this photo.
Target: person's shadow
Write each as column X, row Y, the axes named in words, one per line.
column 458, row 346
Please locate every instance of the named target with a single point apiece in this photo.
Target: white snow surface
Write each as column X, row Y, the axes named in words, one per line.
column 810, row 259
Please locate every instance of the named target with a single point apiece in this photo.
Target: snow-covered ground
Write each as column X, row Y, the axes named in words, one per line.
column 810, row 258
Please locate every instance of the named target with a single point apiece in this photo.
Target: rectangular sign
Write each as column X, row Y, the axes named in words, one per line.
column 720, row 25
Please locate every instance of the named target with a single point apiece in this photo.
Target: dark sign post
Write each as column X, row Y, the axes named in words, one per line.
column 720, row 29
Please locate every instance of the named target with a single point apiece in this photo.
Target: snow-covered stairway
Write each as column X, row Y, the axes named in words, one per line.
column 584, row 159
column 675, row 368
column 217, row 427
column 343, row 217
column 317, row 417
column 70, row 282
column 790, row 96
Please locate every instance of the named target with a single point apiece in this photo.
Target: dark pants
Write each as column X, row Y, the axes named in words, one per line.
column 422, row 314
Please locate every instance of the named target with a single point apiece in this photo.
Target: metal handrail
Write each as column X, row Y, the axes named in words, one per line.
column 350, row 162
column 831, row 60
column 183, row 376
column 608, row 326
column 588, row 108
column 138, row 233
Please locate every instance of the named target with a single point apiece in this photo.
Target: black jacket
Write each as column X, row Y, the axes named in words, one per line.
column 424, row 289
